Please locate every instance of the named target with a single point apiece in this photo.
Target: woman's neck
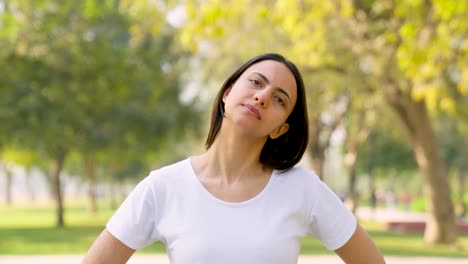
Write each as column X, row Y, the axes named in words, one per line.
column 232, row 158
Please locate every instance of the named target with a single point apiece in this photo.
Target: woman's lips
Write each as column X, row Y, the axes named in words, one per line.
column 253, row 110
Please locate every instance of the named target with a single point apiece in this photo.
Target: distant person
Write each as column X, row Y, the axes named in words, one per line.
column 406, row 199
column 461, row 210
column 390, row 199
column 373, row 200
column 242, row 201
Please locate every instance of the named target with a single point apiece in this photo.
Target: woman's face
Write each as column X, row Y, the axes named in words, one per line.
column 262, row 99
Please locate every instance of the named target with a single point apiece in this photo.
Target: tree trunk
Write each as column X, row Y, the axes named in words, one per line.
column 461, row 182
column 351, row 162
column 8, row 184
column 56, row 165
column 89, row 168
column 440, row 228
column 356, row 136
column 112, row 186
column 461, row 192
column 113, row 196
column 370, row 171
column 316, row 149
column 30, row 185
column 319, row 141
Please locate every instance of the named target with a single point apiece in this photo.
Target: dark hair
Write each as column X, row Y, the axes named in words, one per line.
column 285, row 151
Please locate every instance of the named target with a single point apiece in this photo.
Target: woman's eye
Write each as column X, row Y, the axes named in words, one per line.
column 279, row 99
column 255, row 82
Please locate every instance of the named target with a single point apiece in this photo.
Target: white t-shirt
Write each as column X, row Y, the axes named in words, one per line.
column 171, row 205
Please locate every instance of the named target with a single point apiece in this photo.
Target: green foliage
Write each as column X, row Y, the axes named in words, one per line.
column 454, row 142
column 418, row 205
column 91, row 76
column 23, row 157
column 387, row 153
column 429, row 38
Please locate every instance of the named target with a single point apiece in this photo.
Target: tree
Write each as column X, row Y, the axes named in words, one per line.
column 14, row 156
column 90, row 77
column 409, row 49
column 454, row 145
column 403, row 48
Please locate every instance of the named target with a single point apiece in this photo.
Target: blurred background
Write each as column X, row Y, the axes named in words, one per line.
column 95, row 94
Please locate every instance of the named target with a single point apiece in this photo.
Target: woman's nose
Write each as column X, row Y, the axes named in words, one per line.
column 261, row 99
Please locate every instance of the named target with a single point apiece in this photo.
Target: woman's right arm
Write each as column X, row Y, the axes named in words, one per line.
column 107, row 249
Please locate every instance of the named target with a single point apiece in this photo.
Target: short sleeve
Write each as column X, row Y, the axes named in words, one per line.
column 135, row 222
column 330, row 221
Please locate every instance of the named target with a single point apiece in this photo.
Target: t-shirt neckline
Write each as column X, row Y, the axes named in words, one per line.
column 212, row 197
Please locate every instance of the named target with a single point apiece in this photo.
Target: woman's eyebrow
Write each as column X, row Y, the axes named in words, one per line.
column 281, row 90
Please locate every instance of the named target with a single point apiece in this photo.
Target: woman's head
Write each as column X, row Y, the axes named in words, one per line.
column 283, row 152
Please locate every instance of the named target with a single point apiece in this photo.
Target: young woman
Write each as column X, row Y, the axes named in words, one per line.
column 243, row 200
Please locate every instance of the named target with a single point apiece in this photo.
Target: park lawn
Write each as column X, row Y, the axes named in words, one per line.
column 31, row 231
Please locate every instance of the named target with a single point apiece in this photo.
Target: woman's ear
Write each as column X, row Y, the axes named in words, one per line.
column 279, row 131
column 226, row 92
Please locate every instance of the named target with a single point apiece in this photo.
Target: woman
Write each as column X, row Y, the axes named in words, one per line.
column 242, row 201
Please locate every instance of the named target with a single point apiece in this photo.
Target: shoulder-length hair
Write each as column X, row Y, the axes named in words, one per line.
column 285, row 151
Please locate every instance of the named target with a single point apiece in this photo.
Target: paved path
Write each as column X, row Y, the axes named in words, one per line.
column 390, row 214
column 162, row 259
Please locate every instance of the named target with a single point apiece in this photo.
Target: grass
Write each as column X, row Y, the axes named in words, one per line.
column 29, row 231
column 396, row 244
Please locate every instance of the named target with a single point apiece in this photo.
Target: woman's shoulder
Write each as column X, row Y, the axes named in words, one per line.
column 166, row 179
column 170, row 172
column 299, row 173
column 172, row 167
column 299, row 178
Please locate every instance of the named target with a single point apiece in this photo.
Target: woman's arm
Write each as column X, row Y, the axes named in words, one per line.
column 107, row 249
column 360, row 249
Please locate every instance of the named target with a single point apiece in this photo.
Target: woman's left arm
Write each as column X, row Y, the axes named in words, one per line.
column 360, row 249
